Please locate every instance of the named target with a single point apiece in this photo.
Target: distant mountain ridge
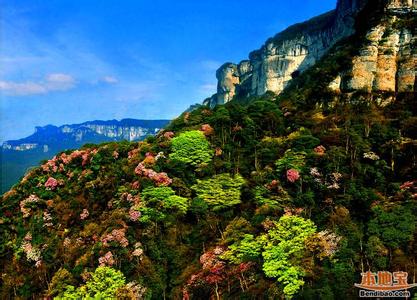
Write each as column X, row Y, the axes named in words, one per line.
column 129, row 129
column 46, row 141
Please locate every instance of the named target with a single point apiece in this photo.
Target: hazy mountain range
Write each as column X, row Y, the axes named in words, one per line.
column 19, row 155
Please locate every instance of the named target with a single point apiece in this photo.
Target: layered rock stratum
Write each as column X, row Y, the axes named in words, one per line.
column 385, row 63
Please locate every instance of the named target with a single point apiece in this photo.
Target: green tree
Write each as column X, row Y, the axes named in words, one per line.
column 221, row 191
column 291, row 160
column 283, row 248
column 394, row 228
column 191, row 147
column 248, row 249
column 62, row 278
column 103, row 284
column 159, row 200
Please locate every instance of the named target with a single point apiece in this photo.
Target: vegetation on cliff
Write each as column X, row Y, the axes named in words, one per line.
column 267, row 198
column 240, row 201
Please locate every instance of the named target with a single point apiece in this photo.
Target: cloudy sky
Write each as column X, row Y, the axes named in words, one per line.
column 70, row 61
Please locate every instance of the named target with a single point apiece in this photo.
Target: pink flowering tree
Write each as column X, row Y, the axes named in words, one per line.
column 293, row 175
column 51, row 183
column 216, row 273
column 292, row 163
column 160, row 179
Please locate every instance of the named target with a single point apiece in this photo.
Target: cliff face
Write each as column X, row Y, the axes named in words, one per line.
column 381, row 64
column 387, row 61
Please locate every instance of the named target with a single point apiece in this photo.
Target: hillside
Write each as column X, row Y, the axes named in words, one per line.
column 17, row 156
column 277, row 195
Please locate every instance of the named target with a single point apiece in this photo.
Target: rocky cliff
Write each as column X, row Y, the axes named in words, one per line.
column 380, row 65
column 387, row 60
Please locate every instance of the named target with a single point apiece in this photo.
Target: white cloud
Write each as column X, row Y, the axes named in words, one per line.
column 53, row 82
column 59, row 82
column 21, row 89
column 109, row 79
column 59, row 77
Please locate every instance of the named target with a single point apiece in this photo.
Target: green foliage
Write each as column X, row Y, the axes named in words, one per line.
column 377, row 252
column 283, row 248
column 162, row 200
column 221, row 191
column 211, row 232
column 248, row 249
column 393, row 227
column 191, row 147
column 291, row 160
column 103, row 284
column 61, row 280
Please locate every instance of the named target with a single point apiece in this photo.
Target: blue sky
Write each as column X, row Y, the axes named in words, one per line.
column 72, row 61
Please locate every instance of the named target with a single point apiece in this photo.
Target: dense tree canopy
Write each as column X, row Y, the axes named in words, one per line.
column 191, row 147
column 266, row 197
column 221, row 191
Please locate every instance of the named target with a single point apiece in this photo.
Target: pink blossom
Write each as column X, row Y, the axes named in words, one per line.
column 407, row 185
column 218, row 250
column 106, row 260
column 159, row 178
column 84, row 214
column 134, row 215
column 136, row 185
column 333, row 186
column 115, row 154
column 66, row 159
column 76, row 154
column 137, row 252
column 51, row 183
column 140, row 169
column 85, row 159
column 132, row 153
column 50, row 165
column 168, row 135
column 293, row 175
column 117, row 235
column 26, row 210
